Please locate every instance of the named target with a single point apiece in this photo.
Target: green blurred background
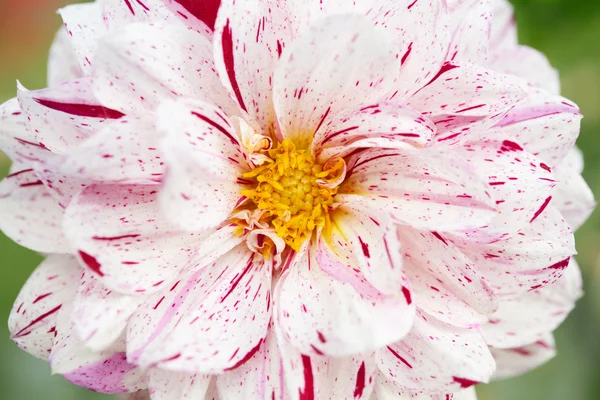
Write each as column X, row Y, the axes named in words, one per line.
column 568, row 31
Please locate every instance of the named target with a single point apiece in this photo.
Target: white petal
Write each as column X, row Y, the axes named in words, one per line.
column 320, row 315
column 29, row 215
column 205, row 163
column 168, row 385
column 325, row 378
column 437, row 357
column 313, row 81
column 143, row 64
column 106, row 372
column 32, row 322
column 520, row 184
column 519, row 360
column 125, row 151
column 65, row 115
column 528, row 64
column 370, row 245
column 530, row 317
column 260, row 378
column 573, row 197
column 470, row 41
column 223, row 322
column 118, row 13
column 387, row 390
column 85, row 27
column 545, row 125
column 534, row 256
column 467, row 90
column 249, row 39
column 425, row 189
column 385, row 124
column 119, row 235
column 447, row 285
column 100, row 314
column 63, row 64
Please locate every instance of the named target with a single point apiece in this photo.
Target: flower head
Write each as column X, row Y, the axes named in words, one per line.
column 293, row 199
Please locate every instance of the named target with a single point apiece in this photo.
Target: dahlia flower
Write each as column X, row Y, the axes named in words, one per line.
column 293, row 199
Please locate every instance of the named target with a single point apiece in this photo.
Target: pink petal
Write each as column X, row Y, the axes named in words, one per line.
column 32, row 321
column 320, row 315
column 312, row 80
column 106, row 372
column 437, row 357
column 545, row 125
column 205, row 161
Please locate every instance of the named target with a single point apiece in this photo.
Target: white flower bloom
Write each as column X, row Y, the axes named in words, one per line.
column 293, row 199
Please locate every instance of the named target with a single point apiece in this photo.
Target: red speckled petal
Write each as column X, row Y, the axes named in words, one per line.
column 29, row 215
column 467, row 90
column 425, row 189
column 205, row 161
column 385, row 124
column 368, row 242
column 136, row 68
column 573, row 196
column 100, row 314
column 168, row 385
column 32, row 322
column 519, row 360
column 118, row 234
column 535, row 256
column 447, row 285
column 320, row 315
column 249, row 39
column 313, row 81
column 520, row 184
column 126, row 151
column 85, row 27
column 437, row 357
column 530, row 317
column 63, row 64
column 221, row 322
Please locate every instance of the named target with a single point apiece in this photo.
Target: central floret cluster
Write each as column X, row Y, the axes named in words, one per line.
column 294, row 192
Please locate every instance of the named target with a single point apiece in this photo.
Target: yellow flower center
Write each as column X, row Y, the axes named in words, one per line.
column 294, row 192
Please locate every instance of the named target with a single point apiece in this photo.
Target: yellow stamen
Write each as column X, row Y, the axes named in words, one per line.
column 293, row 192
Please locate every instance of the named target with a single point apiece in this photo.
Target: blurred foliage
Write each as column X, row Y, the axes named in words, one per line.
column 567, row 31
